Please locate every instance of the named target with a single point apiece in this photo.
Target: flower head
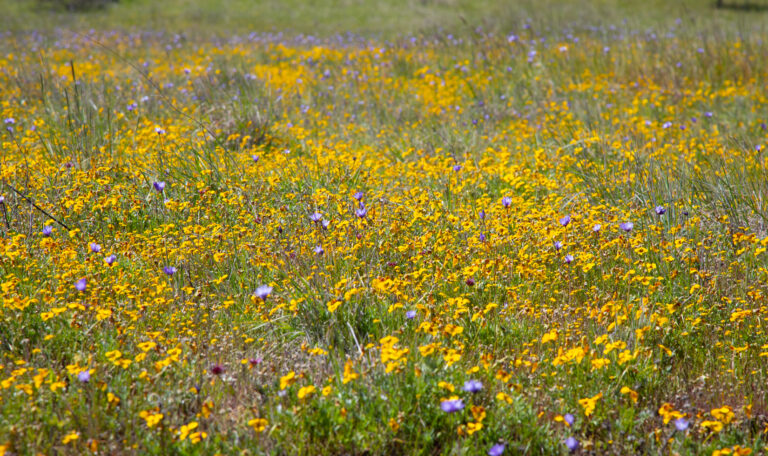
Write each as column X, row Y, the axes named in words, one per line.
column 169, row 270
column 95, row 248
column 316, row 217
column 497, row 450
column 506, row 202
column 572, row 444
column 362, row 212
column 627, row 226
column 84, row 376
column 263, row 291
column 110, row 260
column 568, row 418
column 319, row 250
column 565, row 220
column 568, row 259
column 217, row 369
column 411, row 314
column 159, row 186
column 47, row 230
column 80, row 285
column 681, row 424
column 452, row 405
column 358, row 196
column 558, row 245
column 660, row 210
column 597, row 227
column 457, row 168
column 2, row 199
column 472, row 386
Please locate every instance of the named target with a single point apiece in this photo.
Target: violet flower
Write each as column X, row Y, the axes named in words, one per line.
column 497, row 450
column 84, row 376
column 263, row 292
column 472, row 386
column 452, row 405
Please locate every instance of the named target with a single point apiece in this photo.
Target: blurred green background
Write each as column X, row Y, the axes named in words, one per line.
column 375, row 18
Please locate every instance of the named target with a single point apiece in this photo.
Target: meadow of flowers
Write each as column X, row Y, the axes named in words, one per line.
column 537, row 242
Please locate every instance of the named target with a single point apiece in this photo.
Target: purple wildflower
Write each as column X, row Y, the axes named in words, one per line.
column 708, row 114
column 326, row 224
column 160, row 131
column 572, row 444
column 411, row 314
column 568, row 418
column 361, row 213
column 159, row 186
column 472, row 386
column 481, row 214
column 263, row 291
column 627, row 226
column 660, row 210
column 457, row 168
column 666, row 125
column 84, row 376
column 169, row 270
column 110, row 260
column 558, row 245
column 497, row 450
column 47, row 230
column 2, row 199
column 255, row 158
column 481, row 237
column 316, row 217
column 9, row 121
column 319, row 250
column 358, row 196
column 217, row 369
column 80, row 285
column 565, row 220
column 452, row 405
column 568, row 259
column 597, row 227
column 506, row 202
column 95, row 248
column 681, row 424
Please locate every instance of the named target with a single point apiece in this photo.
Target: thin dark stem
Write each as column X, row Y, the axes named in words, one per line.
column 37, row 207
column 7, row 220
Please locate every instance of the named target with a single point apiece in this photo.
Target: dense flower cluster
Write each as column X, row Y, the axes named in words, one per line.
column 549, row 244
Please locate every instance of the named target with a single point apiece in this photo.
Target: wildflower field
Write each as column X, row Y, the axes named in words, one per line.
column 531, row 239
